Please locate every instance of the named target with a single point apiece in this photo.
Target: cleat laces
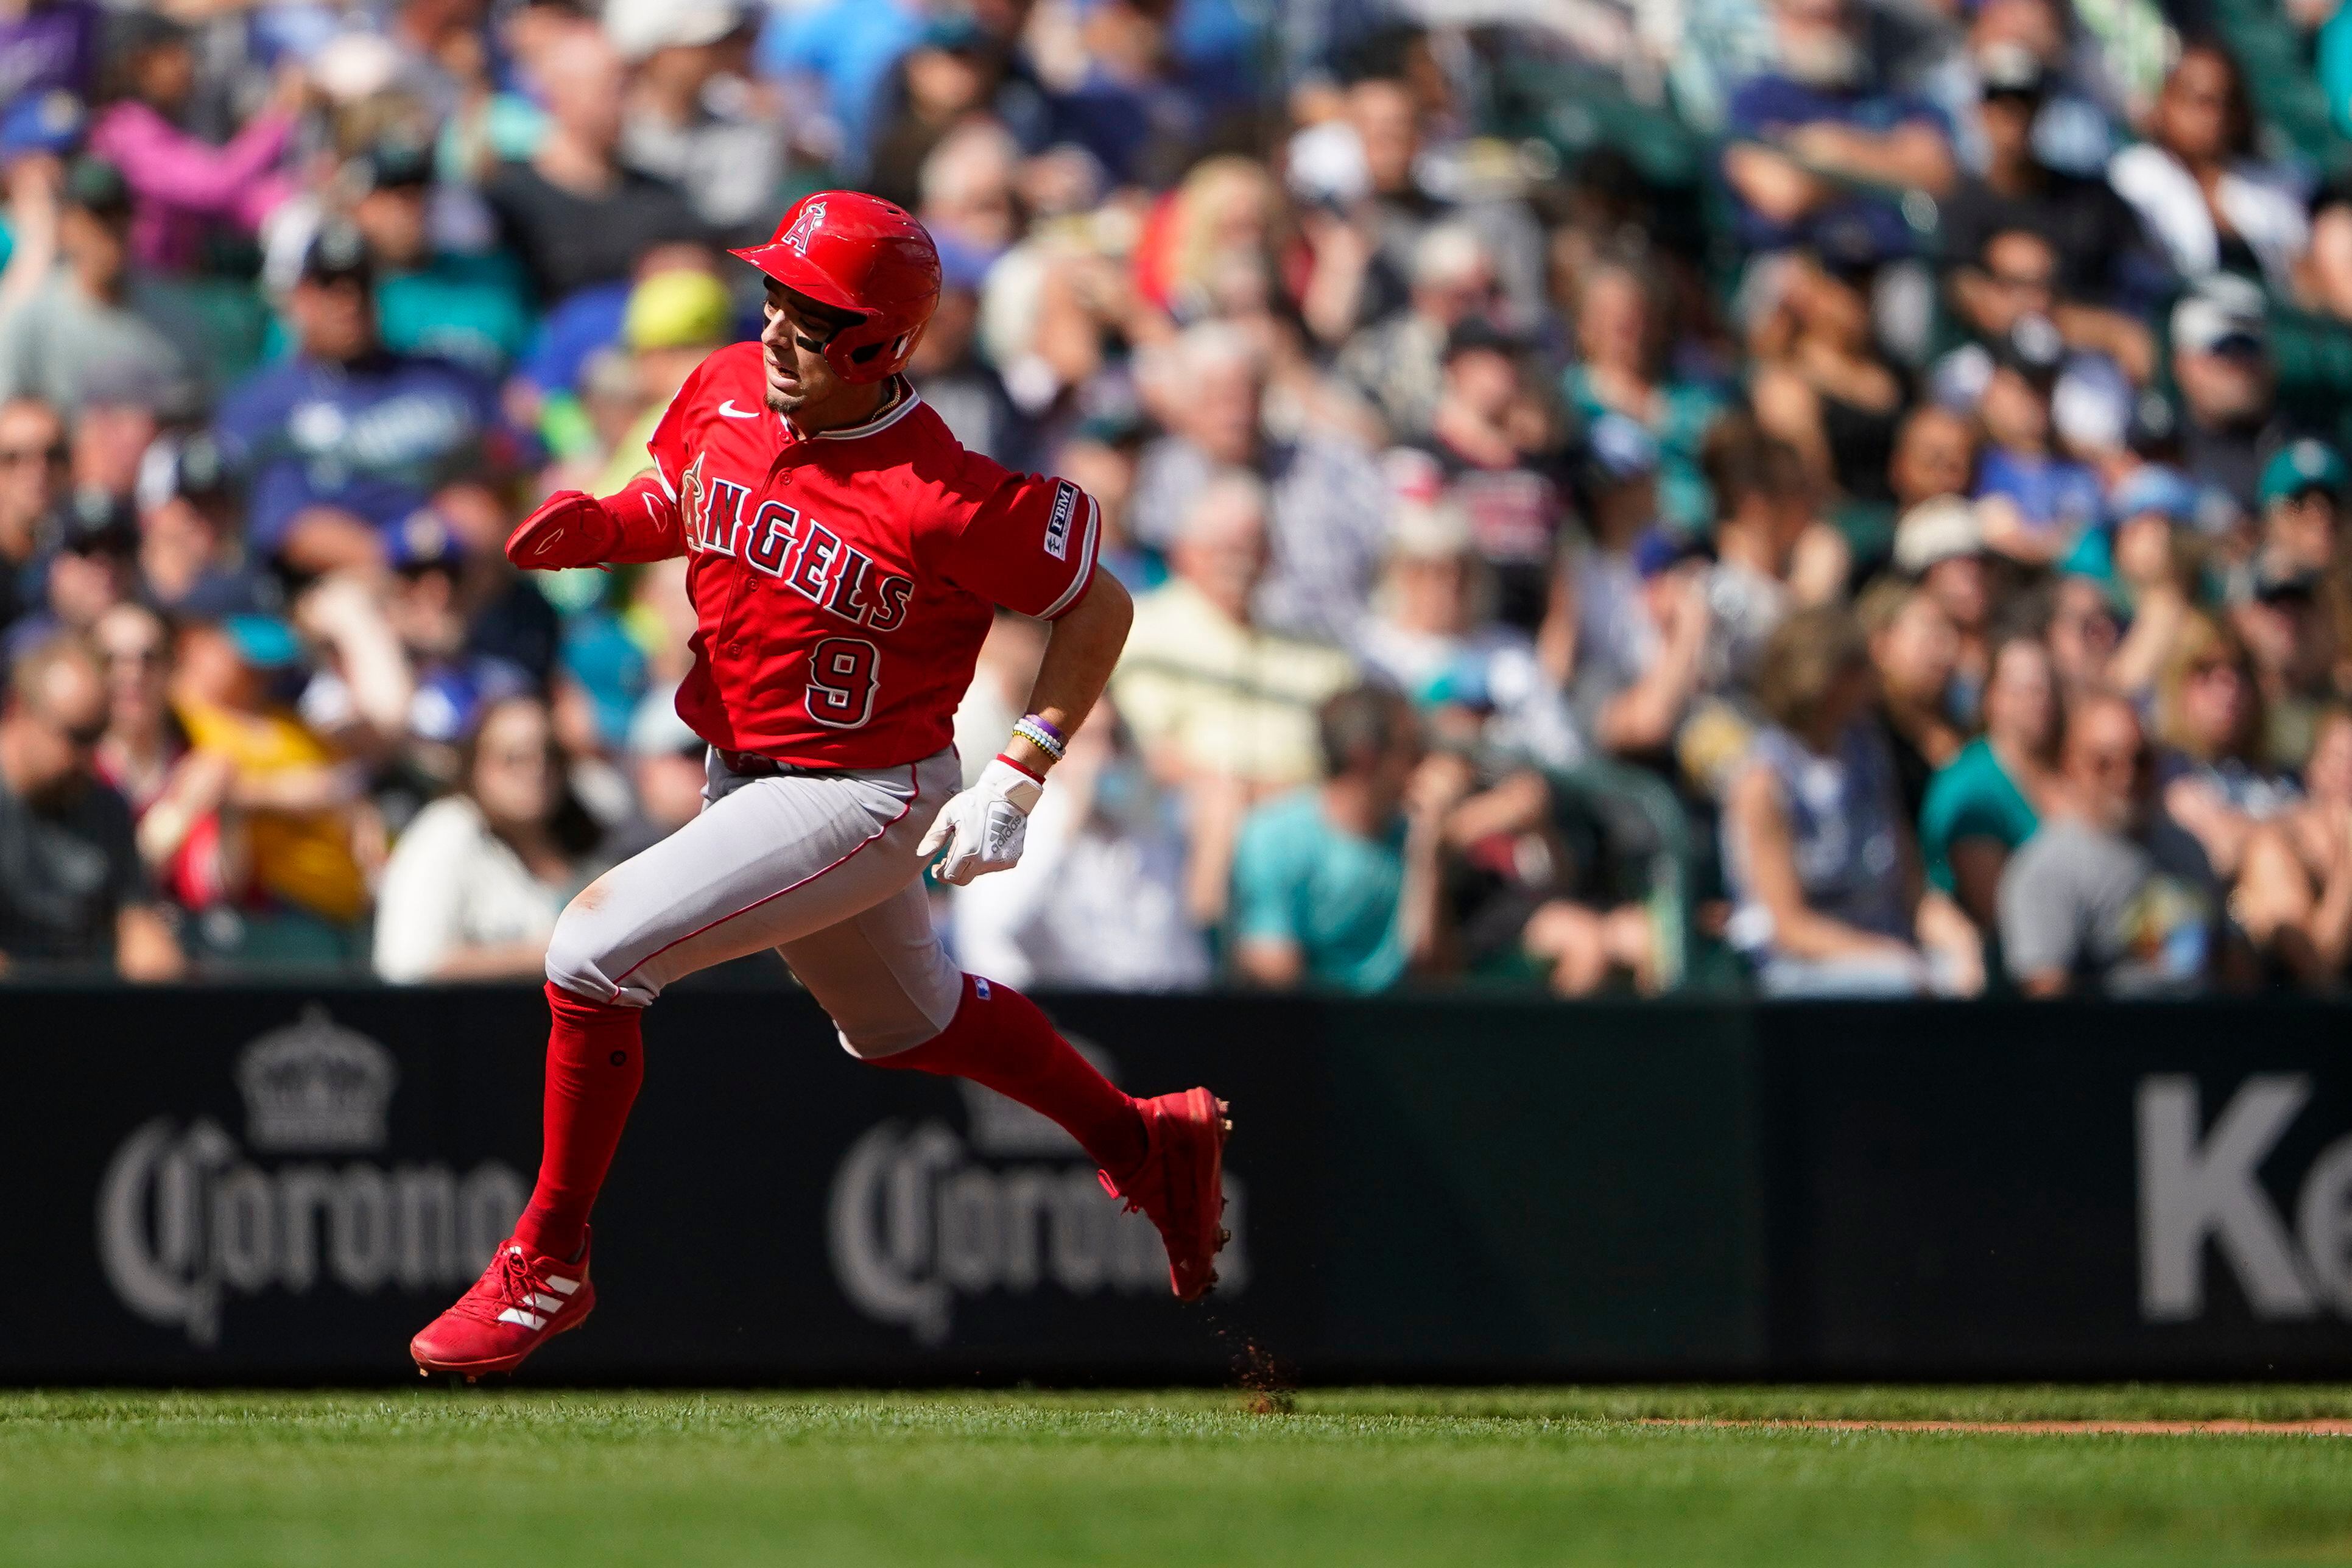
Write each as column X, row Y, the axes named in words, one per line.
column 509, row 1283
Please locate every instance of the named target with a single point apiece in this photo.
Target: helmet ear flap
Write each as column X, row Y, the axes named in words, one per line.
column 872, row 350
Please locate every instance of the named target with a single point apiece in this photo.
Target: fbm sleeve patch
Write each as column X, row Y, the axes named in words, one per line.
column 1057, row 527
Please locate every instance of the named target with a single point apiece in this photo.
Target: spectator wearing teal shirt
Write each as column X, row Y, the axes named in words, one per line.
column 2335, row 67
column 1982, row 804
column 471, row 308
column 1332, row 885
column 1620, row 372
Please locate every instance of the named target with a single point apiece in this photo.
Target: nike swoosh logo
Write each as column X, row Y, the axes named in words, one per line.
column 731, row 411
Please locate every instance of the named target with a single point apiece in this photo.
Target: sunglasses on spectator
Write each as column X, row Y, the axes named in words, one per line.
column 2222, row 99
column 2020, row 283
column 12, row 457
column 145, row 653
column 2119, row 759
column 82, row 738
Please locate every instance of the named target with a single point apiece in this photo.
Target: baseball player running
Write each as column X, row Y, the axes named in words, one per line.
column 844, row 555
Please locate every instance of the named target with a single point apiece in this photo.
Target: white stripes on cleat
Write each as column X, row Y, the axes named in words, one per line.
column 548, row 1305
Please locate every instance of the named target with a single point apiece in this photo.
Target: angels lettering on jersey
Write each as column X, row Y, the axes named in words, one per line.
column 802, row 553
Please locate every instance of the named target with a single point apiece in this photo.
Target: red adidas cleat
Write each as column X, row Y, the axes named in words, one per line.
column 520, row 1302
column 1179, row 1186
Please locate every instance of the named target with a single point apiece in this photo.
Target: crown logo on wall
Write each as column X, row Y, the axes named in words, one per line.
column 315, row 1085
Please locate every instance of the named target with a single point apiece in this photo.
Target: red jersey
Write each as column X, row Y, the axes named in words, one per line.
column 842, row 582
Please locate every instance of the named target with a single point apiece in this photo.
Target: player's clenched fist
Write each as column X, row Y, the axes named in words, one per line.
column 983, row 828
column 568, row 530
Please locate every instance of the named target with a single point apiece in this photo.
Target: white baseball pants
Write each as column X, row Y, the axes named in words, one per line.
column 819, row 866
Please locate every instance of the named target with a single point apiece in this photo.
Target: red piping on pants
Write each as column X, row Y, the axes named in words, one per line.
column 914, row 782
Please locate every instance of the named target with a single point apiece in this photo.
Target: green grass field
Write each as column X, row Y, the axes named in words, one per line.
column 1467, row 1479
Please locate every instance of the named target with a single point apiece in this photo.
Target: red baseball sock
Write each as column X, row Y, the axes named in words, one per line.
column 595, row 1060
column 1000, row 1039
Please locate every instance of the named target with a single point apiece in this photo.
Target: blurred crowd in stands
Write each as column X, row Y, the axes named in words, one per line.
column 1821, row 497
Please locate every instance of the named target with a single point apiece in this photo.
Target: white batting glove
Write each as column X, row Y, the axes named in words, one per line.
column 983, row 828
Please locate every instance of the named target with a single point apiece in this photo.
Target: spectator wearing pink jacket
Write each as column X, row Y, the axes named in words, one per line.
column 182, row 185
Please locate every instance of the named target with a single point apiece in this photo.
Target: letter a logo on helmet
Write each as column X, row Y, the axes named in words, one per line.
column 797, row 236
column 866, row 258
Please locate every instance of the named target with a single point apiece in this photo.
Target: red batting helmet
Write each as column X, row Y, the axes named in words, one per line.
column 863, row 257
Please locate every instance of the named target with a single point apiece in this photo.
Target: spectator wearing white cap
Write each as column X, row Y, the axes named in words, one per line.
column 692, row 117
column 2221, row 363
column 1940, row 544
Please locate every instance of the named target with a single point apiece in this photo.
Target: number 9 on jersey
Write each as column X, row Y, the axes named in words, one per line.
column 844, row 673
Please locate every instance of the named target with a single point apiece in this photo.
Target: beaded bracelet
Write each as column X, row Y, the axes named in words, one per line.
column 1041, row 734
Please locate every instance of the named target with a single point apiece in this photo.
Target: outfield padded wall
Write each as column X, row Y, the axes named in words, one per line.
column 257, row 1185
